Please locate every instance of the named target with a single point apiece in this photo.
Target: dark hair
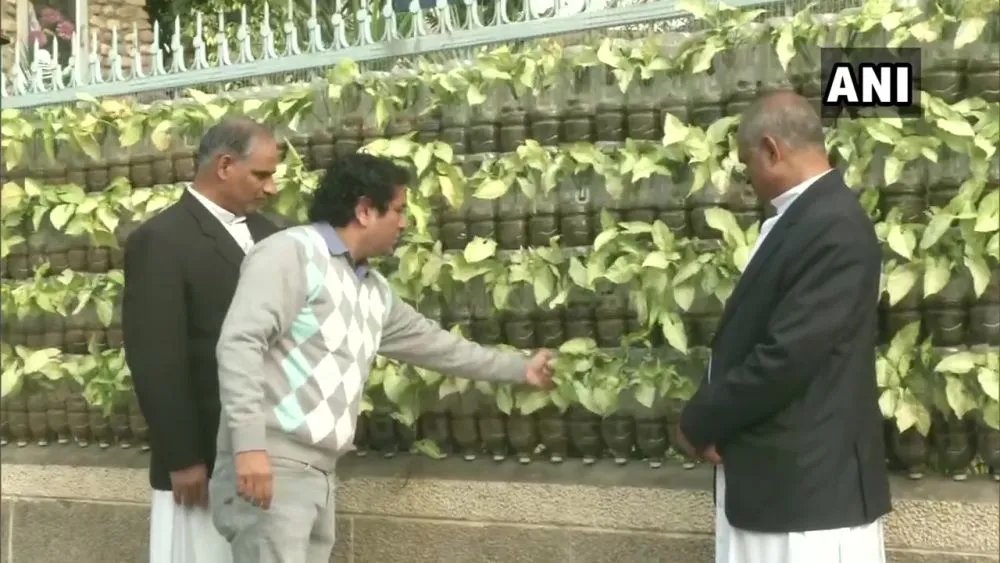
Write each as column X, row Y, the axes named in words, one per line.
column 784, row 116
column 234, row 136
column 350, row 178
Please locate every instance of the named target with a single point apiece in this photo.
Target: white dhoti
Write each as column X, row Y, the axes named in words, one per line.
column 862, row 544
column 180, row 534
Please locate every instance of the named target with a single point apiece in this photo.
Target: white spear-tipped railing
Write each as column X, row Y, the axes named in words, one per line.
column 370, row 34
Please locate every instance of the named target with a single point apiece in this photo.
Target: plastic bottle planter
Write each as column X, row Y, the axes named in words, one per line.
column 492, row 431
column 954, row 442
column 585, row 434
column 553, row 431
column 522, row 432
column 946, row 313
column 435, row 425
column 984, row 315
column 910, row 450
column 619, row 434
column 988, row 447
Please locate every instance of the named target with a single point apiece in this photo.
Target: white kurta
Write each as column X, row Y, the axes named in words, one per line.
column 863, row 544
column 179, row 534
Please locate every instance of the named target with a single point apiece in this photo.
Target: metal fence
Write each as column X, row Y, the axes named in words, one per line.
column 294, row 44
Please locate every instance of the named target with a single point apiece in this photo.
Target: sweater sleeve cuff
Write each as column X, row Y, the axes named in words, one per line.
column 513, row 368
column 249, row 438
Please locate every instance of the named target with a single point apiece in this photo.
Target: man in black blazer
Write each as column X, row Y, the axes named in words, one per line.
column 181, row 269
column 788, row 410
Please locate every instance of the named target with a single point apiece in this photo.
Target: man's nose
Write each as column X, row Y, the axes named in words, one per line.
column 270, row 188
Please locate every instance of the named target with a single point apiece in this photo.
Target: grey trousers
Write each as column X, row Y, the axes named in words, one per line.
column 297, row 528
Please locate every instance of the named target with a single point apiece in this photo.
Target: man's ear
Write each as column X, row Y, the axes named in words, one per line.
column 772, row 151
column 224, row 166
column 363, row 212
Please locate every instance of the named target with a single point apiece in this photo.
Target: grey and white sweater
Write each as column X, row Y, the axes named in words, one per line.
column 299, row 340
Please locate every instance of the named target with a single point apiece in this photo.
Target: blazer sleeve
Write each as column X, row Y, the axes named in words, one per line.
column 154, row 324
column 834, row 274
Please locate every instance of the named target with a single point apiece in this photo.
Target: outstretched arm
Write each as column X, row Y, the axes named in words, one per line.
column 412, row 338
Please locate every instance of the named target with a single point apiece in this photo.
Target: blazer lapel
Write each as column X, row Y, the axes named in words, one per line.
column 260, row 227
column 212, row 228
column 773, row 242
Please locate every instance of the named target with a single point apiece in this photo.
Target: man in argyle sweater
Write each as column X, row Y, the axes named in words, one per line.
column 308, row 317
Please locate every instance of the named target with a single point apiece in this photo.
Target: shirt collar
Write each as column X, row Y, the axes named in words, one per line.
column 784, row 201
column 336, row 246
column 226, row 217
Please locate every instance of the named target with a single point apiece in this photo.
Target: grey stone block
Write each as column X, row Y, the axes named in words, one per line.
column 55, row 531
column 5, row 510
column 937, row 557
column 379, row 540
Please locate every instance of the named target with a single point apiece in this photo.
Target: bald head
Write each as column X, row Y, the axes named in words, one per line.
column 786, row 118
column 781, row 142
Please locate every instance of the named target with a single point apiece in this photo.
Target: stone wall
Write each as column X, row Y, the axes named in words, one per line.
column 87, row 506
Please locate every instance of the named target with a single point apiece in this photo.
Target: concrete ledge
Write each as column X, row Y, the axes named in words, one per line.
column 66, row 504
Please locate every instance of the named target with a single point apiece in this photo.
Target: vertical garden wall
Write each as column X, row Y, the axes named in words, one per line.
column 582, row 196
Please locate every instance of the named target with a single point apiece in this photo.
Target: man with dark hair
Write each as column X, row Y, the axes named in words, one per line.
column 307, row 320
column 181, row 269
column 789, row 410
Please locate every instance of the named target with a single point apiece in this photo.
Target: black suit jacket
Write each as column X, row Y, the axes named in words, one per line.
column 792, row 403
column 181, row 269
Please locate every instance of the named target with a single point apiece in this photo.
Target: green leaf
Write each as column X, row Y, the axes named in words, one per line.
column 888, row 402
column 603, row 238
column 491, row 189
column 785, row 46
column 936, row 276
column 674, row 130
column 980, row 273
column 479, row 249
column 474, row 96
column 532, row 400
column 684, row 296
column 991, row 414
column 936, row 228
column 968, row 31
column 893, row 170
column 395, row 385
column 645, row 394
column 428, row 448
column 505, row 399
column 957, row 363
column 656, row 260
column 724, row 221
column 899, row 284
column 901, row 242
column 956, row 127
column 578, row 346
column 61, row 214
column 10, row 382
column 37, row 359
column 989, row 380
column 673, row 332
column 959, row 398
column 105, row 311
column 988, row 216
